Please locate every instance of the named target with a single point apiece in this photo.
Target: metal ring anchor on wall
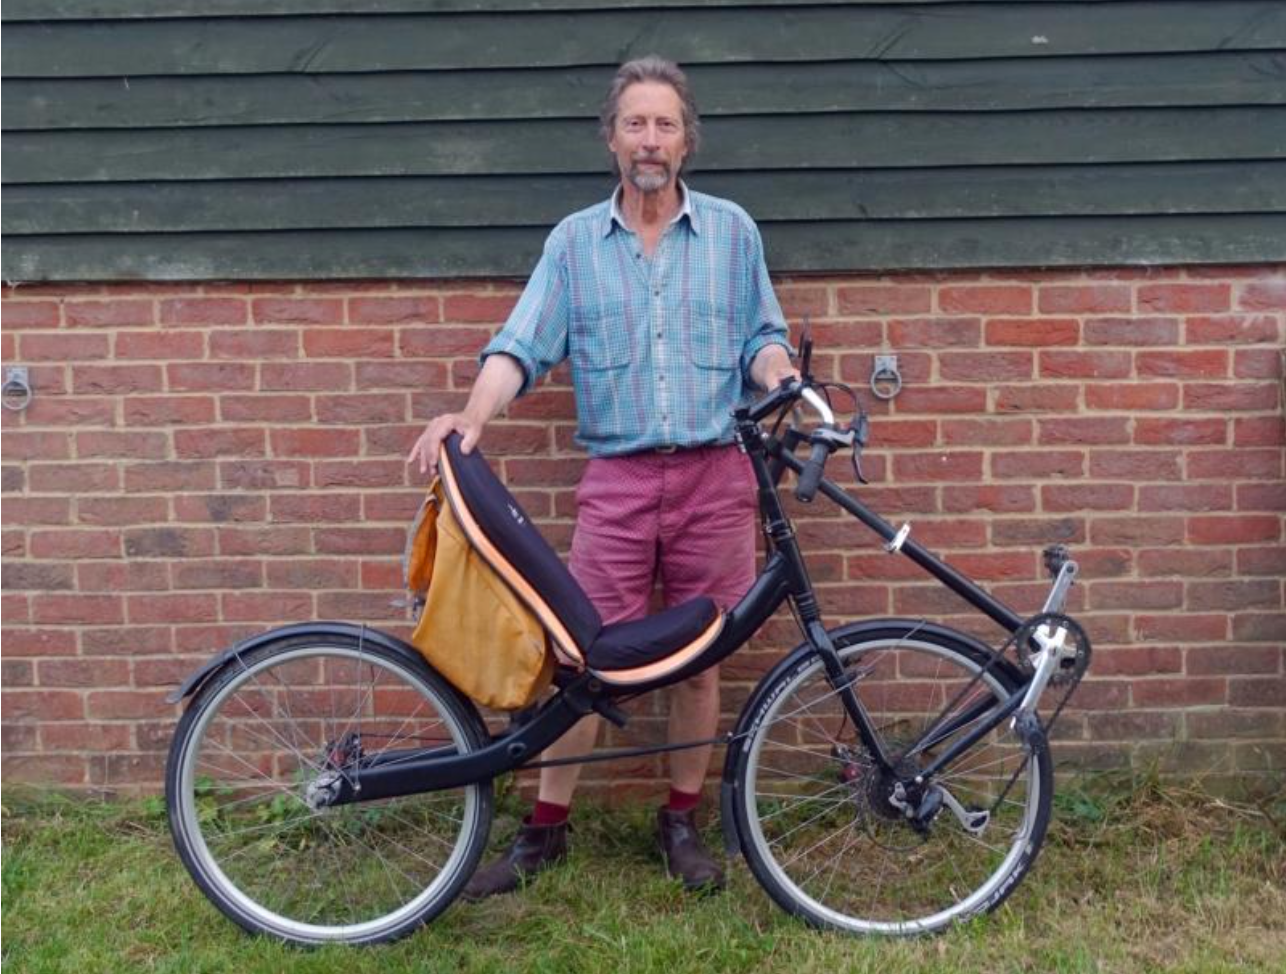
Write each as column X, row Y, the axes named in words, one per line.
column 16, row 391
column 886, row 380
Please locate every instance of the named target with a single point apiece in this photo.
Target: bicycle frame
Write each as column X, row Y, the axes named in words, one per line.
column 784, row 577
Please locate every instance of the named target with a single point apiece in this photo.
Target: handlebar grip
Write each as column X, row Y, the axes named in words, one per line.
column 811, row 475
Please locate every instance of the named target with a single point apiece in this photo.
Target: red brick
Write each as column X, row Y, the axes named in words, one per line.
column 63, row 769
column 1186, row 497
column 533, row 471
column 1137, row 660
column 67, row 610
column 203, row 311
column 220, row 508
column 315, row 442
column 942, row 399
column 895, row 433
column 481, row 308
column 1261, row 497
column 1061, row 364
column 275, row 607
column 1087, row 497
column 121, row 510
column 256, row 541
column 1083, row 431
column 1231, row 595
column 1262, row 561
column 935, row 333
column 1129, row 397
column 176, row 608
column 1032, row 332
column 125, row 704
column 361, row 473
column 1002, row 499
column 108, row 314
column 1037, row 531
column 1249, row 464
column 198, row 444
column 221, row 573
column 349, row 343
column 1183, row 692
column 1267, row 295
column 31, row 314
column 75, row 544
column 44, row 347
column 253, row 345
column 358, row 541
column 878, row 299
column 1259, row 431
column 1181, row 432
column 1257, row 363
column 1260, row 627
column 1131, row 332
column 83, row 672
column 1041, row 398
column 1137, row 531
column 1234, row 529
column 1233, row 330
column 988, row 299
column 797, row 301
column 210, row 376
column 938, row 466
column 128, row 576
column 298, row 311
column 128, row 640
column 541, row 404
column 164, row 346
column 15, row 608
column 305, row 376
column 68, row 411
column 402, row 506
column 44, row 641
column 58, row 478
column 985, row 366
column 1257, row 693
column 986, row 432
column 374, row 408
column 18, row 576
column 168, row 410
column 388, row 575
column 1185, row 298
column 1038, row 465
column 43, row 705
column 169, row 542
column 265, row 475
column 315, row 574
column 169, row 476
column 19, row 445
column 1224, row 659
column 96, row 736
column 260, row 409
column 394, row 311
column 116, row 380
column 442, row 341
column 915, row 367
column 1203, row 364
column 27, row 511
column 315, row 508
column 1231, row 396
column 1084, row 298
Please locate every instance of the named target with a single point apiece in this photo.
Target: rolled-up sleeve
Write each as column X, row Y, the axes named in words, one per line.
column 536, row 333
column 765, row 323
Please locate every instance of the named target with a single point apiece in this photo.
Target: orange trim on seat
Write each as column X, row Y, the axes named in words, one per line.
column 642, row 674
column 564, row 645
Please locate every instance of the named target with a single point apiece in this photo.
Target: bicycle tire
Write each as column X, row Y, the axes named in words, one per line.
column 263, row 728
column 813, row 812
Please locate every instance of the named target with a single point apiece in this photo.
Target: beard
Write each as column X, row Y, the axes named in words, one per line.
column 650, row 180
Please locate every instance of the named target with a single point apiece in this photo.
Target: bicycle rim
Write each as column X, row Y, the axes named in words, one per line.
column 273, row 726
column 822, row 831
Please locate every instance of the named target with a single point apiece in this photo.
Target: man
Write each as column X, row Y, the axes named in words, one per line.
column 661, row 299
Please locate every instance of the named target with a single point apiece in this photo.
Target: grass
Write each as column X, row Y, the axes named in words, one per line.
column 1133, row 878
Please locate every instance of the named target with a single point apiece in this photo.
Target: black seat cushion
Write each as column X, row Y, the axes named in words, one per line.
column 511, row 531
column 625, row 645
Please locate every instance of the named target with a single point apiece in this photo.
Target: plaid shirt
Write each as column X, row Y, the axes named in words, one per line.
column 660, row 347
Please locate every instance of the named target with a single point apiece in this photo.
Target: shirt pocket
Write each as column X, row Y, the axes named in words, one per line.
column 599, row 337
column 713, row 340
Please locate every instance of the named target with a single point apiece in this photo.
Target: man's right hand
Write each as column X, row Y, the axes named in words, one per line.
column 430, row 442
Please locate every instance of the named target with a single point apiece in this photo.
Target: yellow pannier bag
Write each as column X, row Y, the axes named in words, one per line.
column 473, row 628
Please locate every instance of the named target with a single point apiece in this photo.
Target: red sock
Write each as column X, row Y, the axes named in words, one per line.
column 547, row 813
column 683, row 801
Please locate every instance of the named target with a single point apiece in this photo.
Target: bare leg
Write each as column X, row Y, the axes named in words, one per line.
column 694, row 714
column 557, row 785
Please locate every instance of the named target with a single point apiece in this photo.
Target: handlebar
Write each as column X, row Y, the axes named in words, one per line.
column 806, row 489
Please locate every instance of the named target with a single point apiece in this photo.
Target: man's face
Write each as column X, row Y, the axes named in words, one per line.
column 648, row 139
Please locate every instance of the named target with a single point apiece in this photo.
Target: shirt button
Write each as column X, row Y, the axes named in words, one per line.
column 657, row 292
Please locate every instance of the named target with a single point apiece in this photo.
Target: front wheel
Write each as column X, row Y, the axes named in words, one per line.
column 249, row 757
column 824, row 828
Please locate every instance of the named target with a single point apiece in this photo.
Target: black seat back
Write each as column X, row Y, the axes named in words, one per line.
column 512, row 532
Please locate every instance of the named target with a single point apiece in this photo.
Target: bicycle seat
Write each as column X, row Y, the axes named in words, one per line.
column 497, row 526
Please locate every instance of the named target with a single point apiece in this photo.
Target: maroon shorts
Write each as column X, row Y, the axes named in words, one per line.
column 686, row 518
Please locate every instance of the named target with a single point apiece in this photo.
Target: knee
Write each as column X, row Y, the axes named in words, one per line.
column 704, row 684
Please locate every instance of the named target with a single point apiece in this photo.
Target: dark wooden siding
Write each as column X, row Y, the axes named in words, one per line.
column 179, row 139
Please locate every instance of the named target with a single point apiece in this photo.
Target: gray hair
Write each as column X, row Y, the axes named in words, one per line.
column 652, row 68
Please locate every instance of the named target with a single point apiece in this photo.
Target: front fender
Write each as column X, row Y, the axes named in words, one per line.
column 197, row 678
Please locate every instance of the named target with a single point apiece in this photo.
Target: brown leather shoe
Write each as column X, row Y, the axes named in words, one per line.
column 686, row 857
column 534, row 848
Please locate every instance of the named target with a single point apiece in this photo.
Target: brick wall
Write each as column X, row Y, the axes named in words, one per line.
column 201, row 462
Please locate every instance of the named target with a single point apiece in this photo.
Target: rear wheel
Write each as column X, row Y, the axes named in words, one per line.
column 250, row 755
column 825, row 830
